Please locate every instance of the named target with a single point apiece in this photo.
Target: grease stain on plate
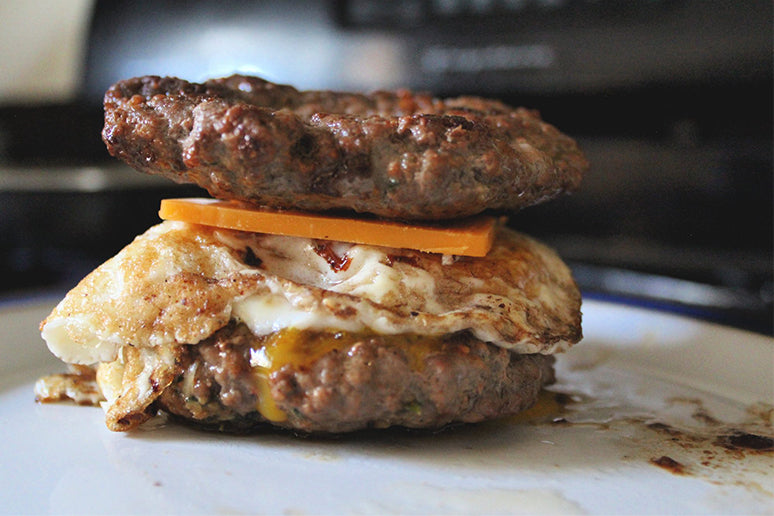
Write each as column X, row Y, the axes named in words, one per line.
column 681, row 435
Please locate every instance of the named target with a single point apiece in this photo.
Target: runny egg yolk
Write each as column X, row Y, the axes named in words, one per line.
column 300, row 349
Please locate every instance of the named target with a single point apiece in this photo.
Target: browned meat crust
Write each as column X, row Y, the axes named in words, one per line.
column 372, row 383
column 392, row 154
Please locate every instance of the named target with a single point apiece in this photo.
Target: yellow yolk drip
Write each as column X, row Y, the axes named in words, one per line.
column 266, row 406
column 547, row 407
column 301, row 348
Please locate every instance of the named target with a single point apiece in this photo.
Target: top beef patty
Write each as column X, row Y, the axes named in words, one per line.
column 392, row 154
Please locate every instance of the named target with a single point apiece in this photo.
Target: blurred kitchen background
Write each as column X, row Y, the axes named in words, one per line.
column 671, row 99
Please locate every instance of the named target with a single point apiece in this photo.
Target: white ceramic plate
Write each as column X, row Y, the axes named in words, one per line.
column 654, row 400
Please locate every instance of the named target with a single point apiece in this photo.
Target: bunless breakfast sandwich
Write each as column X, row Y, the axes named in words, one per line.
column 353, row 269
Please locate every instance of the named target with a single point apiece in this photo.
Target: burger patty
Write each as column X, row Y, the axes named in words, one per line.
column 358, row 382
column 392, row 154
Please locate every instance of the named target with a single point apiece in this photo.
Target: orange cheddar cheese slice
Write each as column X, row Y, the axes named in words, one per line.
column 469, row 237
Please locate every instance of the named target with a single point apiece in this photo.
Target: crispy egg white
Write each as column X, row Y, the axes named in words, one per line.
column 179, row 283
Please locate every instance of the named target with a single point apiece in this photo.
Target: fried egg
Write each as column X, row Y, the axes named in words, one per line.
column 179, row 283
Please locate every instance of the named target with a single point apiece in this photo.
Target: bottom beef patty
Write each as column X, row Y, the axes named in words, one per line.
column 338, row 382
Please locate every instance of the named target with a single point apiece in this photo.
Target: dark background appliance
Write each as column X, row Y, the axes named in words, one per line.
column 671, row 99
